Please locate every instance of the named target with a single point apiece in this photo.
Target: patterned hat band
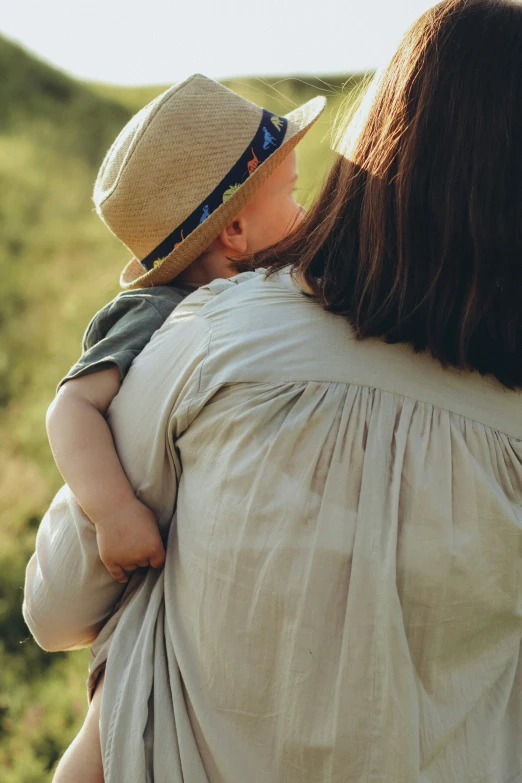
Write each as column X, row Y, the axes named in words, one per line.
column 268, row 138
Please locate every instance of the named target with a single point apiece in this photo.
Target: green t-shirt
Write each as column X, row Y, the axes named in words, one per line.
column 122, row 329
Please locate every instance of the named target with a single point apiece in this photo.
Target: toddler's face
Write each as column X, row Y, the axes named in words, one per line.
column 273, row 212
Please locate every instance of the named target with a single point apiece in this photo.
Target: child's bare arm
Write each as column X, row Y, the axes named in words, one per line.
column 82, row 443
column 83, row 447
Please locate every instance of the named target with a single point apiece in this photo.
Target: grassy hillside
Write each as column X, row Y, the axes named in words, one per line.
column 58, row 265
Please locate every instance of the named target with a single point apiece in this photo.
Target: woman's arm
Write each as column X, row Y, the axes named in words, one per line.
column 68, row 591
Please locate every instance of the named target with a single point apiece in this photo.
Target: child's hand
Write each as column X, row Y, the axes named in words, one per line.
column 129, row 539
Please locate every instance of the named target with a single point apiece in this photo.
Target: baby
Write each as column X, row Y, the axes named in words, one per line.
column 197, row 179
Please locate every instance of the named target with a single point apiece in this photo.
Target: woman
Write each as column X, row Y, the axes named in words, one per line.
column 342, row 595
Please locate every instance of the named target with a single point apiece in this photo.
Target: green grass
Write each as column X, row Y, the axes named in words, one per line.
column 58, row 265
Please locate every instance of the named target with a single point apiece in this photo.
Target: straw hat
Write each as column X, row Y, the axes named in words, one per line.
column 184, row 167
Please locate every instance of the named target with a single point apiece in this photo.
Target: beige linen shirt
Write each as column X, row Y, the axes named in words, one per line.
column 342, row 595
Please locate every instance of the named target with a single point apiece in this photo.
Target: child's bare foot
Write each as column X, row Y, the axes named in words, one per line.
column 129, row 539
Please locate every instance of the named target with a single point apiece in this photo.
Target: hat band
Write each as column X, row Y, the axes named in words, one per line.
column 268, row 139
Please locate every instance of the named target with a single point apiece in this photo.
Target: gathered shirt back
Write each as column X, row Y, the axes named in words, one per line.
column 342, row 595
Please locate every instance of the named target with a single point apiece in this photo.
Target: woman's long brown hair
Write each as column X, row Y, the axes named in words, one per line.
column 417, row 235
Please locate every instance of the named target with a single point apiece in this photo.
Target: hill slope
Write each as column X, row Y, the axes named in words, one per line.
column 37, row 98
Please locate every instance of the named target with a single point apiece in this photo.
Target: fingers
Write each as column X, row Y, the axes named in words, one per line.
column 118, row 574
column 157, row 559
column 123, row 571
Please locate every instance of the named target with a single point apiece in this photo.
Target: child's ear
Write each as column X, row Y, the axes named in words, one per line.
column 234, row 236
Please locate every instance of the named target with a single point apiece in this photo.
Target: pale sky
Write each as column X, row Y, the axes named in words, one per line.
column 161, row 41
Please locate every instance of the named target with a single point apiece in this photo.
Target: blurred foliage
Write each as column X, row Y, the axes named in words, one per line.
column 58, row 265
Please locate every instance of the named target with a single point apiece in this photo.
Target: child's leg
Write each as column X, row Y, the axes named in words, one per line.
column 82, row 761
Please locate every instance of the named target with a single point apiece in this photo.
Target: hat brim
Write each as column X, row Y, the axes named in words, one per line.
column 135, row 275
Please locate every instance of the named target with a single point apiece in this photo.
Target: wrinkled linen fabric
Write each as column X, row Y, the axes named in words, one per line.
column 342, row 595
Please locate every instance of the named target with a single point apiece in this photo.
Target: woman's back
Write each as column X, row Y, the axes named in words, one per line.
column 343, row 593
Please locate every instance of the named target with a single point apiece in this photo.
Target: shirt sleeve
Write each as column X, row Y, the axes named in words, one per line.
column 116, row 335
column 68, row 590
